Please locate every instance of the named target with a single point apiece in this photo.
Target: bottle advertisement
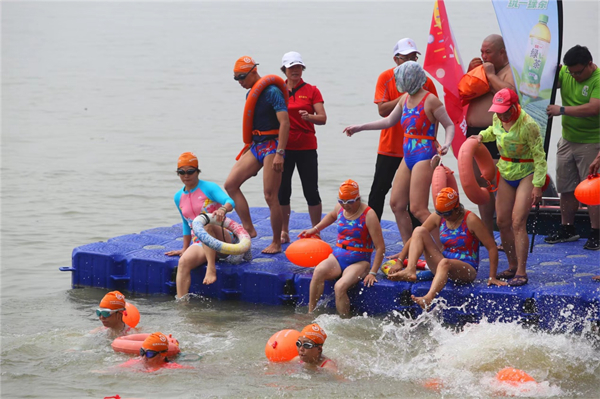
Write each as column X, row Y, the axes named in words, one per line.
column 532, row 37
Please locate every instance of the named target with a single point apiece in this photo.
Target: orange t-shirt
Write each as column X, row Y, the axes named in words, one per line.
column 391, row 139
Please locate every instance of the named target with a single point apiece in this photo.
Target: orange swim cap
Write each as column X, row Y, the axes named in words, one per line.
column 113, row 300
column 187, row 159
column 446, row 200
column 315, row 333
column 243, row 64
column 157, row 342
column 349, row 190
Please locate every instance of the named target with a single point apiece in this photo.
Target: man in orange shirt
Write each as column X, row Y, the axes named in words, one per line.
column 390, row 153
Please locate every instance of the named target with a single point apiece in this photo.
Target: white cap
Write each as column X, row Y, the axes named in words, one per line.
column 405, row 46
column 292, row 58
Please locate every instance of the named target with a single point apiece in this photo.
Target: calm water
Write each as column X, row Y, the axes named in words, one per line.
column 99, row 99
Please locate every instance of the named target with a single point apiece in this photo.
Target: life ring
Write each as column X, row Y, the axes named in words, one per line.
column 472, row 150
column 222, row 247
column 251, row 99
column 442, row 177
column 132, row 344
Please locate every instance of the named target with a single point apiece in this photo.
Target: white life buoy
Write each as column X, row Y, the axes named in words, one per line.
column 222, row 247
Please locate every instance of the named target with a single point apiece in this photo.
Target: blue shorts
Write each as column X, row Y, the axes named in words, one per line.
column 264, row 148
column 346, row 257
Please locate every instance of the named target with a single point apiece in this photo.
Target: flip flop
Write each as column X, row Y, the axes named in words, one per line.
column 518, row 281
column 506, row 275
column 596, row 279
column 500, row 247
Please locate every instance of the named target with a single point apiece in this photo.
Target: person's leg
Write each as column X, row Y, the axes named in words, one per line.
column 568, row 208
column 399, row 201
column 271, row 183
column 242, row 170
column 504, row 219
column 350, row 276
column 521, row 209
column 329, row 269
column 487, row 210
column 285, row 192
column 447, row 268
column 308, row 170
column 193, row 257
column 584, row 155
column 420, row 185
column 211, row 255
column 385, row 170
column 421, row 242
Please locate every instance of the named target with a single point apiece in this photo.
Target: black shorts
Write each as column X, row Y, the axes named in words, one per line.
column 491, row 146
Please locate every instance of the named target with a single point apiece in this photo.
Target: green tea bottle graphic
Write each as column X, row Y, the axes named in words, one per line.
column 535, row 58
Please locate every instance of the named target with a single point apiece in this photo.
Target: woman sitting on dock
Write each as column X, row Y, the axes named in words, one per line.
column 522, row 168
column 359, row 233
column 460, row 233
column 196, row 197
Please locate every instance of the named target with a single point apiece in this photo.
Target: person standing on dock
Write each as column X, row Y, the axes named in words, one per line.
column 270, row 130
column 390, row 151
column 579, row 83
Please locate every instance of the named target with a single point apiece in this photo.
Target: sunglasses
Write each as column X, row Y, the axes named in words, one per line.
column 188, row 172
column 149, row 353
column 348, row 202
column 576, row 73
column 107, row 313
column 404, row 58
column 243, row 76
column 306, row 345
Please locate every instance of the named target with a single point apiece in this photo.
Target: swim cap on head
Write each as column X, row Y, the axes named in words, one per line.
column 447, row 199
column 157, row 342
column 243, row 64
column 187, row 159
column 410, row 77
column 349, row 190
column 113, row 300
column 315, row 333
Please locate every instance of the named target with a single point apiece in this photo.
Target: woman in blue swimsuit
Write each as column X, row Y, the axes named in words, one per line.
column 419, row 112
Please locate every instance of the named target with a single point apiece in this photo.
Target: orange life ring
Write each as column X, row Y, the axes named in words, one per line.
column 255, row 92
column 132, row 344
column 472, row 150
column 442, row 177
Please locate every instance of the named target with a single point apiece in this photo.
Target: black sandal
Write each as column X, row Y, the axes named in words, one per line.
column 506, row 275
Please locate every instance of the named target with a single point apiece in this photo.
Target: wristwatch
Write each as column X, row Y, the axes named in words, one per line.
column 280, row 152
column 562, row 110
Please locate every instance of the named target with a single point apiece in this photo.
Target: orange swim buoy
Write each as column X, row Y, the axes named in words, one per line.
column 131, row 316
column 442, row 177
column 472, row 150
column 513, row 376
column 281, row 347
column 308, row 252
column 132, row 344
column 472, row 85
column 588, row 191
column 251, row 99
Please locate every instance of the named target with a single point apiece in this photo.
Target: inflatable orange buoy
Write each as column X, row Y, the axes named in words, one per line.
column 588, row 191
column 131, row 316
column 469, row 150
column 513, row 376
column 434, row 384
column 252, row 98
column 281, row 347
column 308, row 252
column 385, row 268
column 132, row 344
column 472, row 85
column 442, row 177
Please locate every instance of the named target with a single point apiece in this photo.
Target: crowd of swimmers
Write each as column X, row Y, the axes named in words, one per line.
column 283, row 138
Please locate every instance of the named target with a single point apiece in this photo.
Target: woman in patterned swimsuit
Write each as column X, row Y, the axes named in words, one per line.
column 359, row 233
column 460, row 233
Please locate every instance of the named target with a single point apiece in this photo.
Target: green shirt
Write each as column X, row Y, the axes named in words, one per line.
column 573, row 93
column 522, row 141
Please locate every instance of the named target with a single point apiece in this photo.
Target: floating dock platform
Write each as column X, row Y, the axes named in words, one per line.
column 560, row 296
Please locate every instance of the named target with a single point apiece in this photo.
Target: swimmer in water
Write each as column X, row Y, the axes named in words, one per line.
column 110, row 312
column 310, row 349
column 153, row 355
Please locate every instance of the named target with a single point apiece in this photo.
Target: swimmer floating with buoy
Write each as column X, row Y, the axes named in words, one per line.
column 153, row 355
column 118, row 317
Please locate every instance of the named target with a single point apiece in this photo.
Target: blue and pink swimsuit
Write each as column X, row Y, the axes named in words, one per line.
column 460, row 243
column 354, row 243
column 419, row 134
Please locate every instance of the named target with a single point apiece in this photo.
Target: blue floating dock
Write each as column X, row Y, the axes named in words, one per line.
column 560, row 295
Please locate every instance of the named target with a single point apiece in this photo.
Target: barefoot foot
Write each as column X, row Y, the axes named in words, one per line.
column 424, row 302
column 251, row 232
column 210, row 277
column 403, row 275
column 274, row 248
column 285, row 237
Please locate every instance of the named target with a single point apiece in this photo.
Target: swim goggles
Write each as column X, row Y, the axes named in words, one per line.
column 348, row 202
column 182, row 172
column 149, row 353
column 243, row 76
column 445, row 214
column 306, row 345
column 106, row 313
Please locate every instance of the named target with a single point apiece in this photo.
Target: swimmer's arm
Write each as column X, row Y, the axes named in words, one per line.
column 482, row 233
column 324, row 223
column 376, row 234
column 487, row 135
column 387, row 122
column 216, row 194
column 441, row 115
column 536, row 148
column 386, row 107
column 319, row 117
column 284, row 129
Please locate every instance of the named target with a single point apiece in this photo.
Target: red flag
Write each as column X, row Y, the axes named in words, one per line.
column 443, row 62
